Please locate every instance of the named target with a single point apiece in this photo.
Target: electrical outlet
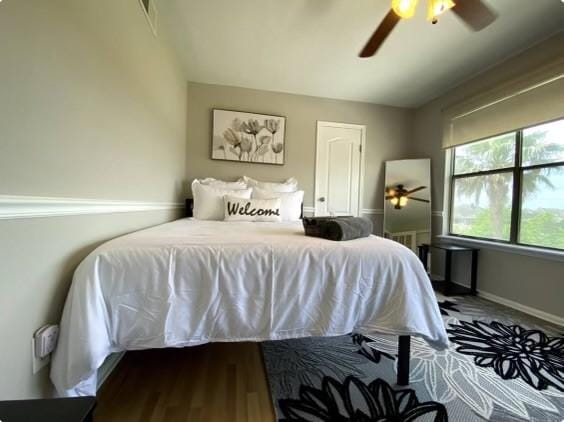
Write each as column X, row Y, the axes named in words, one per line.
column 46, row 340
column 43, row 343
column 38, row 363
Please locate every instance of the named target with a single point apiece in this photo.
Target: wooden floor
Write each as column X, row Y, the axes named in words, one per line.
column 214, row 382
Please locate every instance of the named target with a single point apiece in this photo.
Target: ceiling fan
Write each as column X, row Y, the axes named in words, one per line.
column 473, row 13
column 399, row 196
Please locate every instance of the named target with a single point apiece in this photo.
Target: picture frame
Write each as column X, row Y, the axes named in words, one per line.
column 247, row 137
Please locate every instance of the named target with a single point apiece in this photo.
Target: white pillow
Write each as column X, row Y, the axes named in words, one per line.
column 237, row 209
column 208, row 200
column 210, row 181
column 290, row 185
column 290, row 205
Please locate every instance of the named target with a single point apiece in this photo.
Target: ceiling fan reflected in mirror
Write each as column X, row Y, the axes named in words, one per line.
column 399, row 196
column 474, row 13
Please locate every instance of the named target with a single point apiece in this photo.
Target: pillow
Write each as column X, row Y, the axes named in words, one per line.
column 290, row 185
column 290, row 202
column 210, row 181
column 238, row 209
column 208, row 200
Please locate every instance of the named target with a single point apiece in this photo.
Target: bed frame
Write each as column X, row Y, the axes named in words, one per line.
column 403, row 341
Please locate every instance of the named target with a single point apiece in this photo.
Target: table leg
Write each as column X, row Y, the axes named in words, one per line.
column 474, row 272
column 403, row 360
column 448, row 272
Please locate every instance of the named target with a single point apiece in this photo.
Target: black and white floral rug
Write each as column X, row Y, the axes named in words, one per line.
column 502, row 365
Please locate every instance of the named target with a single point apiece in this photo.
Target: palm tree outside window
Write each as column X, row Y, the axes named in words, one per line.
column 510, row 188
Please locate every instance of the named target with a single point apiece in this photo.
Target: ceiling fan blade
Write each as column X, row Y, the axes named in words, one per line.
column 389, row 197
column 416, row 190
column 380, row 35
column 419, row 199
column 475, row 14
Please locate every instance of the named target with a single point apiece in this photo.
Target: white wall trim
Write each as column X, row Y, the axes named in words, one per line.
column 309, row 210
column 372, row 211
column 363, row 211
column 523, row 308
column 362, row 168
column 449, row 153
column 16, row 206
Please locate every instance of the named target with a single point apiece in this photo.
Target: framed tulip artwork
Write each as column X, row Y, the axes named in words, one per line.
column 248, row 137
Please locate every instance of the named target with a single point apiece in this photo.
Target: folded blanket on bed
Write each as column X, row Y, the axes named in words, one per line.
column 338, row 228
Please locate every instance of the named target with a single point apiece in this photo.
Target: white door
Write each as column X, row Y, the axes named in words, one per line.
column 339, row 168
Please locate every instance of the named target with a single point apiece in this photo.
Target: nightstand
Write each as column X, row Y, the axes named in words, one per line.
column 446, row 285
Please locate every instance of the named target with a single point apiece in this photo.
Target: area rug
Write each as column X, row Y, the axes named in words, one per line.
column 502, row 365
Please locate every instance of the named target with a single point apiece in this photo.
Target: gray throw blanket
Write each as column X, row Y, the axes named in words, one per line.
column 338, row 228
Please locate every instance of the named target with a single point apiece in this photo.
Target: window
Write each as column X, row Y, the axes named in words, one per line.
column 510, row 188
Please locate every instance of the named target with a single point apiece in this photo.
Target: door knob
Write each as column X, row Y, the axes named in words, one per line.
column 322, row 199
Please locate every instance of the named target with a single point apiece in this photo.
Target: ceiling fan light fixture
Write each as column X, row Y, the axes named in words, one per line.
column 437, row 8
column 404, row 8
column 403, row 201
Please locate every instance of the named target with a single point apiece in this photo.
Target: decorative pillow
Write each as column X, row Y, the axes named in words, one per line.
column 208, row 200
column 290, row 185
column 238, row 209
column 210, row 181
column 290, row 202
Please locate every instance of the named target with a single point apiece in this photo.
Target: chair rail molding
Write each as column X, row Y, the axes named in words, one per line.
column 21, row 206
column 309, row 210
column 372, row 211
column 364, row 211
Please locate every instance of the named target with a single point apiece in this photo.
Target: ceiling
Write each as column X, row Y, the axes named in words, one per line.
column 310, row 47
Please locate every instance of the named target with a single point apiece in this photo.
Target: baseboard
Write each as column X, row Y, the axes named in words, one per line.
column 519, row 306
column 523, row 308
column 107, row 368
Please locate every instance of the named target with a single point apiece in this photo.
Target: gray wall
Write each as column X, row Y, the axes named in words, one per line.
column 534, row 282
column 92, row 105
column 388, row 132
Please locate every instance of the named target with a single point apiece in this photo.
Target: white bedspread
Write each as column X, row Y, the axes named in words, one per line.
column 190, row 282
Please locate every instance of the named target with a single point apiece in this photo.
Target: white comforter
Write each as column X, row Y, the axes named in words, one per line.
column 191, row 282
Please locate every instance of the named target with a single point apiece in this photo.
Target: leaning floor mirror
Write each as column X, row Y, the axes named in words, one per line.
column 407, row 204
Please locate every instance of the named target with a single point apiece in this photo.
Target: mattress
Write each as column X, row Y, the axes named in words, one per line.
column 190, row 282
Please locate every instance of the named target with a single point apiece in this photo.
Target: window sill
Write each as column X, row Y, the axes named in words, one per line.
column 502, row 247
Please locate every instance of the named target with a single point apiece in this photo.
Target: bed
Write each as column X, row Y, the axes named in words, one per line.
column 191, row 282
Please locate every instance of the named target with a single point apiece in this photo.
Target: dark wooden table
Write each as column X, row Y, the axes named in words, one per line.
column 77, row 409
column 446, row 286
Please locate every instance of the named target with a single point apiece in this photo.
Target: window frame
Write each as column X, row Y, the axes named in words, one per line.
column 518, row 171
